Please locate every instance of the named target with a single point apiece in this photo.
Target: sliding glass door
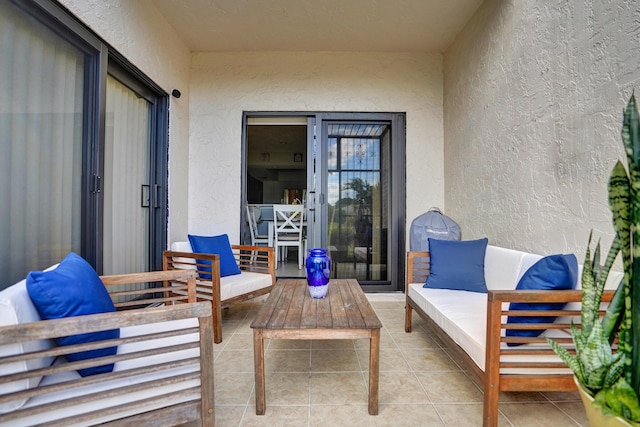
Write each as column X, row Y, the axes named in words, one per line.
column 83, row 148
column 354, row 190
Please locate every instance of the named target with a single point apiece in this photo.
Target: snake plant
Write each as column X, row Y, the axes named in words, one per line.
column 613, row 377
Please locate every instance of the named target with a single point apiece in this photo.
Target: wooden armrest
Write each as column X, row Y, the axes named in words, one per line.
column 417, row 267
column 151, row 292
column 559, row 319
column 541, row 296
column 257, row 259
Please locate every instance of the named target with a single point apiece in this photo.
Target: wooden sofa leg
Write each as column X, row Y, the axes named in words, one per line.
column 407, row 317
column 490, row 411
column 217, row 323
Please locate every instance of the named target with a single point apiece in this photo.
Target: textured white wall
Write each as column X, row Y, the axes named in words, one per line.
column 142, row 35
column 223, row 85
column 533, row 99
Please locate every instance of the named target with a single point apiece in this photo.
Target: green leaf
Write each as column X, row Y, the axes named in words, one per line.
column 631, row 132
column 620, row 400
column 569, row 359
column 613, row 316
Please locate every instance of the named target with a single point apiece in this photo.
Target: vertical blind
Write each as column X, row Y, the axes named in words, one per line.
column 41, row 117
column 126, row 179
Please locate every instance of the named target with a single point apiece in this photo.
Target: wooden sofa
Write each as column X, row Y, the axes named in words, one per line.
column 163, row 368
column 257, row 277
column 479, row 340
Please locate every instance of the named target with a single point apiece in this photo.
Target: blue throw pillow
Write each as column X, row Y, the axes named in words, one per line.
column 215, row 245
column 74, row 289
column 551, row 272
column 457, row 265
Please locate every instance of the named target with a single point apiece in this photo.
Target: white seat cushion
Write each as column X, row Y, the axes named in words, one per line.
column 230, row 286
column 16, row 308
column 462, row 316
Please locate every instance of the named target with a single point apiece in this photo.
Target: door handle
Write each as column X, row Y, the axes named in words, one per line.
column 310, row 203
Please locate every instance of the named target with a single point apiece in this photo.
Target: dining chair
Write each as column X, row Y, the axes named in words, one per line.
column 253, row 216
column 288, row 225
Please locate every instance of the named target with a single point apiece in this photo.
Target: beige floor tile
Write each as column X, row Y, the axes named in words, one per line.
column 287, row 389
column 419, row 338
column 449, row 387
column 576, row 411
column 429, row 360
column 332, row 344
column 469, row 414
column 240, row 341
column 408, row 416
column 385, row 339
column 233, row 388
column 341, row 388
column 334, row 360
column 341, row 415
column 235, row 361
column 277, row 360
column 391, row 360
column 536, row 415
column 229, row 416
column 416, row 370
column 394, row 327
column 401, row 387
column 562, row 396
column 280, row 416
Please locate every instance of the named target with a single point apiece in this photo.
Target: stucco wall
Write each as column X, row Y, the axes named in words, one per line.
column 223, row 85
column 142, row 35
column 533, row 99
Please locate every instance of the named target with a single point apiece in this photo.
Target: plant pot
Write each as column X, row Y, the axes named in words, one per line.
column 594, row 414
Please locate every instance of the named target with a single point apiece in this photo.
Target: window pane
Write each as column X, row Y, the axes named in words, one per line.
column 41, row 116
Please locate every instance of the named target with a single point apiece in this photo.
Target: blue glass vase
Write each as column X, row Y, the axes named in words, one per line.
column 318, row 266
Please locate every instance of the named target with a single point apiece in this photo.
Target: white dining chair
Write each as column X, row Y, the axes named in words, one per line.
column 253, row 216
column 288, row 222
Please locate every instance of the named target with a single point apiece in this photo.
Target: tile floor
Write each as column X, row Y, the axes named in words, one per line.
column 324, row 383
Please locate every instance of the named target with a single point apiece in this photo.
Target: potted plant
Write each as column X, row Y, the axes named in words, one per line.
column 606, row 362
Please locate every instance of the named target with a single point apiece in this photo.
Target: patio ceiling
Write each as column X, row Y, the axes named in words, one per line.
column 428, row 26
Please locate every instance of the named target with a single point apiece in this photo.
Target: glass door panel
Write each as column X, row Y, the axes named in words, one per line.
column 127, row 191
column 357, row 199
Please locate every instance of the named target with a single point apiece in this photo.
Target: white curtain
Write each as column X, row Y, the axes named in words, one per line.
column 41, row 116
column 127, row 159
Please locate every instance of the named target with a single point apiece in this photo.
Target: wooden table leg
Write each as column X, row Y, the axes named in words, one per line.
column 258, row 360
column 374, row 371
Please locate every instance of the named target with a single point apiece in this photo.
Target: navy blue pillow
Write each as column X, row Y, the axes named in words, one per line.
column 457, row 265
column 551, row 272
column 74, row 289
column 218, row 245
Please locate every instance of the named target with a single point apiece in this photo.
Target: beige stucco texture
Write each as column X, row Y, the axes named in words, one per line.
column 513, row 131
column 534, row 93
column 223, row 85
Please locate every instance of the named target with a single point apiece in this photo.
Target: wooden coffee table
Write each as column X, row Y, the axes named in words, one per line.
column 290, row 313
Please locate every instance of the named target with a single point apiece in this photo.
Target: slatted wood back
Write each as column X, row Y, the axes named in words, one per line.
column 190, row 361
column 417, row 267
